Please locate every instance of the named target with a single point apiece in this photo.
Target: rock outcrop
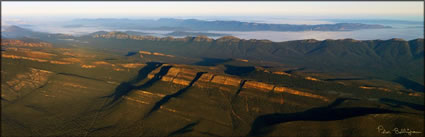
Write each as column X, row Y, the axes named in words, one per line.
column 311, row 78
column 281, row 73
column 132, row 65
column 259, row 85
column 183, row 76
column 141, row 52
column 30, row 80
column 87, row 66
column 20, row 43
column 21, row 57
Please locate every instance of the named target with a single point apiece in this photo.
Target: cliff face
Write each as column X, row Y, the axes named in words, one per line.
column 183, row 76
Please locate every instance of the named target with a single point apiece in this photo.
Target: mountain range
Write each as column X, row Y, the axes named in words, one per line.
column 201, row 25
column 384, row 59
column 120, row 84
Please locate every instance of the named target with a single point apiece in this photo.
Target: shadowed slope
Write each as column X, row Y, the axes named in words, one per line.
column 185, row 129
column 211, row 61
column 126, row 87
column 396, row 103
column 156, row 77
column 409, row 84
column 328, row 113
column 178, row 93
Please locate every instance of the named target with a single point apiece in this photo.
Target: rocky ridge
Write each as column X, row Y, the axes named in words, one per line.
column 183, row 76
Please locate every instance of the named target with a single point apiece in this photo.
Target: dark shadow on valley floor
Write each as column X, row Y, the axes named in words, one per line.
column 126, row 87
column 409, row 84
column 211, row 61
column 263, row 124
column 185, row 129
column 293, row 70
column 396, row 103
column 131, row 54
column 238, row 70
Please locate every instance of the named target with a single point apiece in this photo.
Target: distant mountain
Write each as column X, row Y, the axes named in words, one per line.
column 201, row 25
column 19, row 32
column 137, row 33
column 99, row 33
column 16, row 31
column 184, row 33
column 376, row 21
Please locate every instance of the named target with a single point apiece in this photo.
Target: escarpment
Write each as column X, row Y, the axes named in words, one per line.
column 183, row 76
column 20, row 43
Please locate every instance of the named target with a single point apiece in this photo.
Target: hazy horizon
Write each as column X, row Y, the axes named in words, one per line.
column 53, row 16
column 310, row 10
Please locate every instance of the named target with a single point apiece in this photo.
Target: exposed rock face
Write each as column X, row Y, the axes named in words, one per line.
column 311, row 78
column 121, row 35
column 21, row 57
column 281, row 73
column 59, row 62
column 206, row 77
column 79, row 55
column 181, row 81
column 202, row 38
column 114, row 34
column 310, row 41
column 132, row 65
column 118, row 69
column 258, row 85
column 73, row 60
column 154, row 53
column 228, row 38
column 183, row 76
column 243, row 60
column 74, row 85
column 103, row 63
column 416, row 94
column 256, row 41
column 179, row 76
column 19, row 43
column 38, row 54
column 88, row 66
column 226, row 80
column 161, row 54
column 158, row 54
column 378, row 88
column 299, row 93
column 145, row 52
column 33, row 79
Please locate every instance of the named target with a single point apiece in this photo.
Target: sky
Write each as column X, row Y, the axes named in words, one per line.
column 412, row 10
